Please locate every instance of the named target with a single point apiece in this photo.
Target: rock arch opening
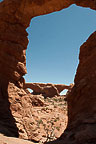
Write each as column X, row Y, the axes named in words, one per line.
column 54, row 43
column 15, row 17
column 64, row 92
column 86, row 29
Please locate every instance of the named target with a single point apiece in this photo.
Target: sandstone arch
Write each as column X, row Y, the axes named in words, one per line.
column 48, row 90
column 15, row 16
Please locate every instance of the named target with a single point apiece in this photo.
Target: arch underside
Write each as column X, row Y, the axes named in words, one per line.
column 15, row 17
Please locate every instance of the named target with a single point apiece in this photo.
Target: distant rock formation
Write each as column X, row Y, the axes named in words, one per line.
column 48, row 90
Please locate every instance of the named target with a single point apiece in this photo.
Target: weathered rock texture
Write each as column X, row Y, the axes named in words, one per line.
column 11, row 140
column 32, row 117
column 15, row 16
column 82, row 104
column 48, row 90
column 16, row 113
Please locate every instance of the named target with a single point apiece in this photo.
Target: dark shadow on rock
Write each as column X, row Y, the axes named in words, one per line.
column 7, row 122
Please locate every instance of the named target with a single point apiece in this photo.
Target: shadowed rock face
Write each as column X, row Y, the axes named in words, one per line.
column 15, row 16
column 81, row 101
column 81, row 126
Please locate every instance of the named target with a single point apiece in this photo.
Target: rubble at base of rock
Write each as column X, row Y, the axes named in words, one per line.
column 37, row 118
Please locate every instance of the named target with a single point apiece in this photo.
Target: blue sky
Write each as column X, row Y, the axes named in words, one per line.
column 54, row 42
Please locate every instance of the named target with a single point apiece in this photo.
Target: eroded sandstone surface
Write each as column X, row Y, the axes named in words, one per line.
column 47, row 89
column 15, row 16
column 11, row 140
column 32, row 117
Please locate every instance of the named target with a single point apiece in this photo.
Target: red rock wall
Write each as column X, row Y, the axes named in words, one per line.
column 15, row 16
column 82, row 99
column 83, row 92
column 13, row 44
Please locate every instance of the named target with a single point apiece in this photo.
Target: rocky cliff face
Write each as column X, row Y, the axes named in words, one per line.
column 15, row 16
column 81, row 101
column 82, row 105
